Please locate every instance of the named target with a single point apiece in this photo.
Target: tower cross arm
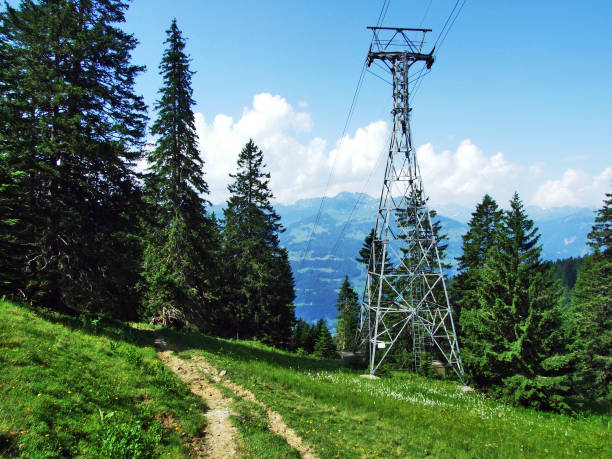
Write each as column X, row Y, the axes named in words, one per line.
column 399, row 29
column 390, row 44
column 393, row 56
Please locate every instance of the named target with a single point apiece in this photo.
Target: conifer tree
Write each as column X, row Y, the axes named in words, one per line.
column 566, row 272
column 11, row 174
column 348, row 316
column 260, row 286
column 10, row 211
column 324, row 347
column 411, row 256
column 313, row 335
column 600, row 237
column 592, row 313
column 74, row 128
column 514, row 339
column 412, row 252
column 177, row 260
column 479, row 239
column 365, row 254
column 299, row 337
column 375, row 265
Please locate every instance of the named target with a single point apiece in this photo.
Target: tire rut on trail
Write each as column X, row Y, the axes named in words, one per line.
column 197, row 371
column 275, row 420
column 220, row 435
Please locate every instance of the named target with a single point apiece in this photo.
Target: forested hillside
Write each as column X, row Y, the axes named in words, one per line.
column 82, row 232
column 347, row 219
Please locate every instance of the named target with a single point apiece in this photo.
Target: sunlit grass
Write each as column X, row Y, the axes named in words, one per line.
column 71, row 388
column 401, row 415
column 78, row 388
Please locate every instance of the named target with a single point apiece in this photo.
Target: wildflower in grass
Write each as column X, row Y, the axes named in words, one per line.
column 39, row 394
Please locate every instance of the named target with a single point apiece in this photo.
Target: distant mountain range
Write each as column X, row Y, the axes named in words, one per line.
column 336, row 243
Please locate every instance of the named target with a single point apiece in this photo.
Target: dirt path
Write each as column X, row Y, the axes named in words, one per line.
column 220, row 434
column 275, row 420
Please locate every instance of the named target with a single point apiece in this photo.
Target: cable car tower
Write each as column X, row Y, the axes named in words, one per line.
column 405, row 293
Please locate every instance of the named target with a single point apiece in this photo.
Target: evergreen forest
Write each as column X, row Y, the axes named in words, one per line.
column 82, row 231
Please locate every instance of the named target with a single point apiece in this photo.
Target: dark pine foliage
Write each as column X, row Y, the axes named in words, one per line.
column 313, row 335
column 478, row 240
column 566, row 271
column 365, row 254
column 178, row 266
column 299, row 335
column 592, row 313
column 348, row 316
column 260, row 286
column 417, row 227
column 325, row 347
column 600, row 238
column 71, row 128
column 514, row 337
column 10, row 211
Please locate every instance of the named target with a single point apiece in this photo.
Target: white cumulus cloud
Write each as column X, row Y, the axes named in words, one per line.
column 464, row 176
column 298, row 169
column 300, row 163
column 575, row 188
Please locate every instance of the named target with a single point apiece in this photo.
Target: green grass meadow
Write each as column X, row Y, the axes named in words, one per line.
column 84, row 388
column 399, row 415
column 69, row 388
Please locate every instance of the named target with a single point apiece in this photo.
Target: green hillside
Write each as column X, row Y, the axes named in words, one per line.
column 401, row 415
column 69, row 388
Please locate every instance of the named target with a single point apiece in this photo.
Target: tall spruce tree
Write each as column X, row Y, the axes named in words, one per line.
column 348, row 316
column 477, row 242
column 299, row 336
column 178, row 264
column 412, row 250
column 72, row 128
column 411, row 256
column 514, row 338
column 11, row 174
column 365, row 254
column 313, row 335
column 324, row 346
column 260, row 287
column 592, row 313
column 374, row 264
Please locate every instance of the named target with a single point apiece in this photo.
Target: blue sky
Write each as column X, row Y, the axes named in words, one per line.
column 520, row 97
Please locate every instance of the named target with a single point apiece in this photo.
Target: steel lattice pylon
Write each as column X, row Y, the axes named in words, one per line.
column 405, row 292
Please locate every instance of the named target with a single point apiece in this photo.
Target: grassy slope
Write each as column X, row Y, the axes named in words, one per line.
column 342, row 415
column 98, row 390
column 60, row 381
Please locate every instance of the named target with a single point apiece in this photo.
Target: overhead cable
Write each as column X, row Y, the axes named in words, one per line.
column 381, row 18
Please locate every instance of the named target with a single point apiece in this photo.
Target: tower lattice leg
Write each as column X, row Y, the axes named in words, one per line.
column 405, row 300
